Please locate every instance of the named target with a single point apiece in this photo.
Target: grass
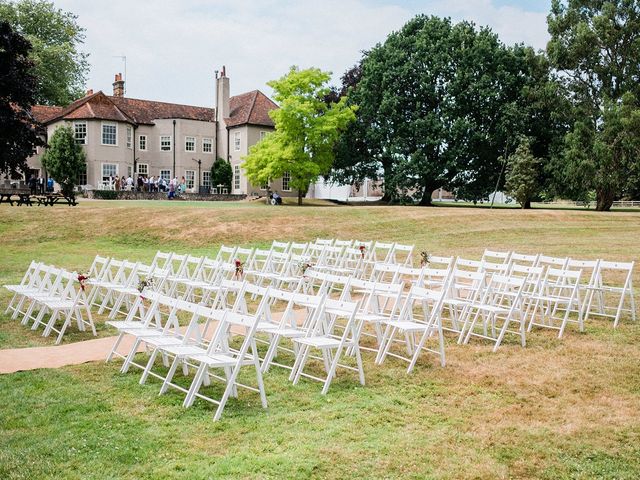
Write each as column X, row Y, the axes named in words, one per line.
column 557, row 409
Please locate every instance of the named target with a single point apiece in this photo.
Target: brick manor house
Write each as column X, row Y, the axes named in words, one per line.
column 118, row 132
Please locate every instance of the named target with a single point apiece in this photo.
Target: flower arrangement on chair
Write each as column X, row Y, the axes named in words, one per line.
column 424, row 259
column 304, row 266
column 146, row 283
column 239, row 270
column 362, row 249
column 82, row 278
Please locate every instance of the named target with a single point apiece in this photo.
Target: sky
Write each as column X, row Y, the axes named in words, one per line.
column 173, row 48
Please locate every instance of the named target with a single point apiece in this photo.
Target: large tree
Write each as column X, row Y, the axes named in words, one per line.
column 438, row 106
column 521, row 180
column 221, row 173
column 64, row 159
column 55, row 36
column 306, row 129
column 595, row 45
column 19, row 133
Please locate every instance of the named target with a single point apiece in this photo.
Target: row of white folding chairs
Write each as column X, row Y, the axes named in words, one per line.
column 48, row 295
column 603, row 296
column 163, row 336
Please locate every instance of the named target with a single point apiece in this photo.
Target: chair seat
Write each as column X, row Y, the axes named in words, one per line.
column 181, row 350
column 319, row 342
column 216, row 359
column 142, row 332
column 163, row 341
column 371, row 317
column 267, row 326
column 407, row 325
column 123, row 324
column 55, row 304
column 289, row 332
column 126, row 290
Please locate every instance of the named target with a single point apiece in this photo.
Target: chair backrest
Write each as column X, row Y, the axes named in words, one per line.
column 496, row 256
column 524, row 259
column 469, row 265
column 226, row 254
column 553, row 262
column 401, row 254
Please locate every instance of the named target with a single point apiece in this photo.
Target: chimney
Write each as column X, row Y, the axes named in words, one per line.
column 222, row 95
column 89, row 92
column 118, row 86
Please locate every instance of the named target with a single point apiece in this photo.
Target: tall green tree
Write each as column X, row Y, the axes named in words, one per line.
column 19, row 133
column 595, row 45
column 221, row 173
column 60, row 67
column 64, row 159
column 521, row 181
column 306, row 129
column 438, row 105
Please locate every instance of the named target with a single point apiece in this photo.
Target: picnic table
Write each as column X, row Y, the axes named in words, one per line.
column 22, row 196
column 52, row 198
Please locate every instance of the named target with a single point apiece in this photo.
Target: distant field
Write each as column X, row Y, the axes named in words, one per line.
column 556, row 409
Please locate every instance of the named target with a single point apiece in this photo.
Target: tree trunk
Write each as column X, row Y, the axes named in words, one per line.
column 299, row 197
column 526, row 204
column 386, row 172
column 604, row 199
column 425, row 201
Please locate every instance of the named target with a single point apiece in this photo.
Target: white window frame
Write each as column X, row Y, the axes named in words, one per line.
column 103, row 176
column 109, row 124
column 263, row 133
column 288, row 180
column 192, row 180
column 237, row 141
column 209, row 142
column 146, row 169
column 140, row 137
column 186, row 141
column 170, row 143
column 236, row 177
column 86, row 132
column 83, row 173
column 129, row 138
column 160, row 176
column 206, row 178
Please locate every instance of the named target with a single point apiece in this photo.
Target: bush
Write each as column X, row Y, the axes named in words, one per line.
column 105, row 194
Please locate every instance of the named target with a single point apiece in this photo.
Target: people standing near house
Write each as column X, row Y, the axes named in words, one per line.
column 129, row 183
column 33, row 184
column 183, row 185
column 123, row 183
column 172, row 189
column 40, row 185
column 49, row 185
column 151, row 183
column 116, row 184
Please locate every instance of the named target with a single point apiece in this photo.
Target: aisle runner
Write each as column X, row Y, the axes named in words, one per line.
column 56, row 356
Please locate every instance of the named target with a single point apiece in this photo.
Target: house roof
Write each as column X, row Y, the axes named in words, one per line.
column 42, row 113
column 250, row 108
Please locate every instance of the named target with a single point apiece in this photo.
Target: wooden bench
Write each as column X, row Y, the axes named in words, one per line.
column 21, row 196
column 49, row 199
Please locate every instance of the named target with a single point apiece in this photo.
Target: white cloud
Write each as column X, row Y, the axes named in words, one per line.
column 173, row 47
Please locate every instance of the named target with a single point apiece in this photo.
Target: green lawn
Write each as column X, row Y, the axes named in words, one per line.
column 557, row 409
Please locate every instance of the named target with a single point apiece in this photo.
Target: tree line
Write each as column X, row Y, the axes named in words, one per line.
column 448, row 105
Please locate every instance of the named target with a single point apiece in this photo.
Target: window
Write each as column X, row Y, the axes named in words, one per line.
column 263, row 134
column 143, row 169
column 109, row 134
column 264, row 186
column 190, row 177
column 129, row 137
column 142, row 142
column 165, row 143
column 129, row 170
column 109, row 171
column 207, row 145
column 206, row 179
column 165, row 175
column 189, row 144
column 236, row 141
column 80, row 132
column 286, row 178
column 236, row 177
column 82, row 176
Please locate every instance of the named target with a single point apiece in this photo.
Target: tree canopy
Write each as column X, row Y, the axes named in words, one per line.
column 64, row 159
column 60, row 67
column 438, row 105
column 19, row 134
column 306, row 129
column 221, row 173
column 521, row 181
column 596, row 47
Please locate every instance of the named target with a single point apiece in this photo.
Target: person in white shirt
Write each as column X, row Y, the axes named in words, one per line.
column 129, row 183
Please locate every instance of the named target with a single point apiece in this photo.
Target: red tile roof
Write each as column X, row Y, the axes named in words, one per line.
column 146, row 111
column 250, row 108
column 42, row 113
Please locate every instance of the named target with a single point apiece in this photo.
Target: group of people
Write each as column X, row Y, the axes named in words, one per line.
column 38, row 185
column 151, row 184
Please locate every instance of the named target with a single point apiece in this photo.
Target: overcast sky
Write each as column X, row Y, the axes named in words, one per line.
column 174, row 47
